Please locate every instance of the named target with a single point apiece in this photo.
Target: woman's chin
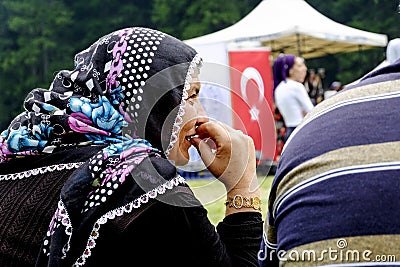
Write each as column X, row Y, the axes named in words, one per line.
column 182, row 157
column 182, row 160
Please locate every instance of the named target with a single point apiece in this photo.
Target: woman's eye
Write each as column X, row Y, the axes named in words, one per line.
column 195, row 95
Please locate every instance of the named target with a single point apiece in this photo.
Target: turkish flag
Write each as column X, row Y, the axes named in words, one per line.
column 251, row 91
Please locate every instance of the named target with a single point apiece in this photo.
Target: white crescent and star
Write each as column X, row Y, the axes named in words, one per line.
column 248, row 74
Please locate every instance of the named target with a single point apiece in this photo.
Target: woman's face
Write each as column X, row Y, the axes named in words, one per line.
column 194, row 116
column 298, row 71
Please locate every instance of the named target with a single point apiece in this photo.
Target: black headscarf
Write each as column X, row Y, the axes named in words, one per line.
column 127, row 93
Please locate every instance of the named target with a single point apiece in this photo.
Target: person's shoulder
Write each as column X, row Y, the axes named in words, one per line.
column 299, row 85
column 294, row 84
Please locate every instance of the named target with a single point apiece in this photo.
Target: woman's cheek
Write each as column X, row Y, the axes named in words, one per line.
column 190, row 112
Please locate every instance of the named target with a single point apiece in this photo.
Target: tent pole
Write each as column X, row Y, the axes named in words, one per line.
column 298, row 44
column 360, row 58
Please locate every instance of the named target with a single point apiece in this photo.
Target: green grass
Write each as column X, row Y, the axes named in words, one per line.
column 212, row 194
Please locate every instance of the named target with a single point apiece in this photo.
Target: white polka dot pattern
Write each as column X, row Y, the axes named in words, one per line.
column 141, row 45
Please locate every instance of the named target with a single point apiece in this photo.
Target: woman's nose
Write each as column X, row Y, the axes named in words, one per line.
column 201, row 120
column 201, row 113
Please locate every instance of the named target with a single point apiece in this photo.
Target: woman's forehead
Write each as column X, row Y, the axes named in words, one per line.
column 299, row 60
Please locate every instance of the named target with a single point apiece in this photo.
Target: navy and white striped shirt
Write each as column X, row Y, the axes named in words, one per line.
column 335, row 198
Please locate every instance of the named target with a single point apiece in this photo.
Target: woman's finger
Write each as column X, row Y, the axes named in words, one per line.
column 206, row 148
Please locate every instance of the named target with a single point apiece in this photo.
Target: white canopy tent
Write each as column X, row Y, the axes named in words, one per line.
column 289, row 26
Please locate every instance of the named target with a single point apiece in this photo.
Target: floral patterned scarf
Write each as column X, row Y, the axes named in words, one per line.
column 124, row 86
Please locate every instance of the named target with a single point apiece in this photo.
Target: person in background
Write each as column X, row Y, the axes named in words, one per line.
column 335, row 87
column 313, row 85
column 334, row 200
column 290, row 95
column 88, row 171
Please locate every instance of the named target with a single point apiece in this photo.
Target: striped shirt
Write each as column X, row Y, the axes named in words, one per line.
column 335, row 199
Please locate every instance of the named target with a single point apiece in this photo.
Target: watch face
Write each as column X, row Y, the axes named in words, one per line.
column 256, row 203
column 238, row 202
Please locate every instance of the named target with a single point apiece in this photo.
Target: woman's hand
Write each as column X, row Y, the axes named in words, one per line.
column 228, row 154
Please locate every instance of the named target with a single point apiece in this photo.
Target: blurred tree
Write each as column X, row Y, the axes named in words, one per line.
column 95, row 18
column 379, row 16
column 186, row 19
column 29, row 48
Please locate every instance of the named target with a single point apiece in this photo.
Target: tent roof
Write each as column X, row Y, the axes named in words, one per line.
column 293, row 26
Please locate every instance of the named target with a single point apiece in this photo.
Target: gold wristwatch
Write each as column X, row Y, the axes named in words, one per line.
column 239, row 201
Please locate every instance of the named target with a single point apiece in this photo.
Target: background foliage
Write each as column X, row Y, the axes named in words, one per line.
column 40, row 37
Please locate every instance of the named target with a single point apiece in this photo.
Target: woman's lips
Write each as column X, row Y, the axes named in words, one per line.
column 189, row 137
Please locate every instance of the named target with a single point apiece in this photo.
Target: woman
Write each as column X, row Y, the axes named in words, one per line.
column 290, row 95
column 90, row 165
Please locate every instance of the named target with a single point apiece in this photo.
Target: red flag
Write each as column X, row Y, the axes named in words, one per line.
column 251, row 84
